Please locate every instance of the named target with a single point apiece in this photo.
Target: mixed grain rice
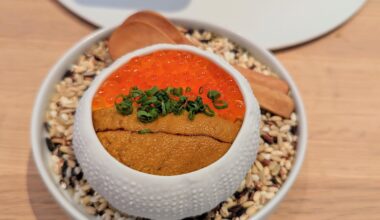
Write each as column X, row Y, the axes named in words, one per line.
column 275, row 155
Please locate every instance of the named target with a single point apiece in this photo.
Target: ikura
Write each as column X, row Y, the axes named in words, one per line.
column 171, row 68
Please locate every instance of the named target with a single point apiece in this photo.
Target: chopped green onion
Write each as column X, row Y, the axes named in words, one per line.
column 163, row 108
column 152, row 100
column 182, row 99
column 220, row 104
column 144, row 131
column 162, row 95
column 135, row 92
column 177, row 91
column 194, row 107
column 125, row 106
column 156, row 102
column 147, row 116
column 169, row 90
column 213, row 95
column 151, row 91
column 179, row 106
column 191, row 115
column 141, row 99
column 208, row 111
column 169, row 106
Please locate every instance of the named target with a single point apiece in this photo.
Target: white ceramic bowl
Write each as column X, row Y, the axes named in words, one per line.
column 42, row 156
column 166, row 197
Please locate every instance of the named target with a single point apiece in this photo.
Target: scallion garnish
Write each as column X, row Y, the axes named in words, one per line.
column 124, row 107
column 208, row 111
column 135, row 92
column 220, row 104
column 194, row 107
column 147, row 116
column 177, row 91
column 156, row 102
column 213, row 95
column 169, row 90
column 151, row 91
column 144, row 131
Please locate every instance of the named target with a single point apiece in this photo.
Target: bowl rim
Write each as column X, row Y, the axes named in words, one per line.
column 39, row 109
column 243, row 84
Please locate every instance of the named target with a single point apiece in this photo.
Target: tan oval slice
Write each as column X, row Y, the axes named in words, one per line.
column 160, row 22
column 133, row 36
column 263, row 80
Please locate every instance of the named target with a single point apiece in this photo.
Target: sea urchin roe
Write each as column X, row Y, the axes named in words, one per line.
column 180, row 69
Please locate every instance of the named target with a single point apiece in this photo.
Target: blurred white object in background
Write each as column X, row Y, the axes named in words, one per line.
column 273, row 24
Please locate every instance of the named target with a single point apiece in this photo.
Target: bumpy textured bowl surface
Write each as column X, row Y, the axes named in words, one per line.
column 166, row 197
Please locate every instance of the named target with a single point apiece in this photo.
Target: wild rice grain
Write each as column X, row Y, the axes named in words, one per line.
column 90, row 210
column 251, row 210
column 237, row 210
column 51, row 146
column 224, row 212
column 248, row 204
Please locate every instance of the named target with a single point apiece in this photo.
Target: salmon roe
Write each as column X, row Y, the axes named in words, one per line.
column 175, row 69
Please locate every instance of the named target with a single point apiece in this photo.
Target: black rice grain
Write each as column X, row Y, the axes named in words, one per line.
column 294, row 129
column 79, row 176
column 237, row 210
column 267, row 138
column 205, row 41
column 189, row 31
column 238, row 195
column 68, row 73
column 90, row 192
column 63, row 169
column 46, row 126
column 51, row 146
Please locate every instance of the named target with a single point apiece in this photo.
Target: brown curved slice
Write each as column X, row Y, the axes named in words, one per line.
column 267, row 81
column 168, row 154
column 273, row 101
column 161, row 23
column 133, row 36
column 220, row 129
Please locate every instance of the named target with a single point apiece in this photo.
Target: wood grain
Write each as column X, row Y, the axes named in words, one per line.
column 338, row 76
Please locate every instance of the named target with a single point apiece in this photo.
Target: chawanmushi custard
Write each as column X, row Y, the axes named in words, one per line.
column 168, row 113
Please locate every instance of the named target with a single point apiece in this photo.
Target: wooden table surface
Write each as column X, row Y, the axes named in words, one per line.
column 338, row 76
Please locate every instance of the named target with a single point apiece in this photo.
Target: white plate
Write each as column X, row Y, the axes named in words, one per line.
column 42, row 156
column 273, row 24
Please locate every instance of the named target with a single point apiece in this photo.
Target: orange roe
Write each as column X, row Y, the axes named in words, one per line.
column 175, row 69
